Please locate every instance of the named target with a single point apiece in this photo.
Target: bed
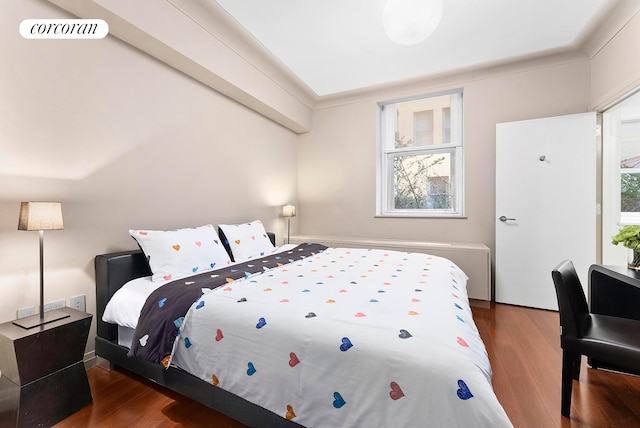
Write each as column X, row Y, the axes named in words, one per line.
column 308, row 336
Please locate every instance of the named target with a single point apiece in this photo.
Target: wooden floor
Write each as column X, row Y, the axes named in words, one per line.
column 524, row 350
column 523, row 347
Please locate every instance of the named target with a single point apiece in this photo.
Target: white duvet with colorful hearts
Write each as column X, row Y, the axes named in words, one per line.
column 347, row 338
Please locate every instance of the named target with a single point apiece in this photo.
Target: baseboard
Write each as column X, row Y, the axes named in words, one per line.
column 89, row 359
column 485, row 304
column 104, row 364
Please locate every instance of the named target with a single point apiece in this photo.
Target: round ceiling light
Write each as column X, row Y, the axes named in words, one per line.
column 408, row 22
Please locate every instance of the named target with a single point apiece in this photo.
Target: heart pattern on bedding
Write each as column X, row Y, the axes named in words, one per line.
column 346, row 344
column 293, row 359
column 143, row 340
column 462, row 342
column 396, row 392
column 290, row 413
column 338, row 401
column 463, row 390
column 251, row 369
column 404, row 334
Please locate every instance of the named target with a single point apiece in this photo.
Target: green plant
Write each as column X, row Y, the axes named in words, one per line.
column 629, row 236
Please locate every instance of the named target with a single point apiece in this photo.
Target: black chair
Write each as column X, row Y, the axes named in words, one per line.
column 610, row 340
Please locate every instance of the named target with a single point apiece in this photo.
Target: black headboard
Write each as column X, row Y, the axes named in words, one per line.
column 113, row 270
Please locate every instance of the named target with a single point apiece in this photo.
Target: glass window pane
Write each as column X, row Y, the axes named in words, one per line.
column 629, row 164
column 423, row 182
column 423, row 128
column 420, row 122
column 446, row 125
column 629, row 191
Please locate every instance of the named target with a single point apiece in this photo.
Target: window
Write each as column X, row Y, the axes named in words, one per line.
column 620, row 173
column 420, row 156
column 630, row 170
column 622, row 150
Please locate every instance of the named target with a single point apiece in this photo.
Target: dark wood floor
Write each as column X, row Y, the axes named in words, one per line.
column 524, row 350
column 523, row 347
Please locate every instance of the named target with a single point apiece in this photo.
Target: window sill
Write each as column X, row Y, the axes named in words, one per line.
column 423, row 216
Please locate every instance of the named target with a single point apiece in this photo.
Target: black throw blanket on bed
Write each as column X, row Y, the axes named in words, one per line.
column 164, row 310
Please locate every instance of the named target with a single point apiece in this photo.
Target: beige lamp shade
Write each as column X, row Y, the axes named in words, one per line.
column 40, row 216
column 288, row 211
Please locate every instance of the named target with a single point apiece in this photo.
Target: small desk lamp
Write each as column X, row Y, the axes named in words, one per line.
column 288, row 211
column 40, row 216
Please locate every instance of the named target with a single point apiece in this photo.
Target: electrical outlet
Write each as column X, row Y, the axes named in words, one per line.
column 26, row 312
column 78, row 302
column 54, row 305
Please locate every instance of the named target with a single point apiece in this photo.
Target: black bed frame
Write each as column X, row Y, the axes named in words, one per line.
column 113, row 270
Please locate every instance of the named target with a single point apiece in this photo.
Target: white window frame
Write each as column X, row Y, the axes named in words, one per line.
column 386, row 151
column 612, row 217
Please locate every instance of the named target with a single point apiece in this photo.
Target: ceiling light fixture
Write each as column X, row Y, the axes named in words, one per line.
column 408, row 22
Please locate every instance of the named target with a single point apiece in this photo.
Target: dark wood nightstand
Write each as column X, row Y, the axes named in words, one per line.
column 43, row 375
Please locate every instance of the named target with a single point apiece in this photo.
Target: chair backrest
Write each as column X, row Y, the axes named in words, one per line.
column 574, row 312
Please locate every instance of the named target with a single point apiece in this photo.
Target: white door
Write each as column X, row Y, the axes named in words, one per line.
column 545, row 205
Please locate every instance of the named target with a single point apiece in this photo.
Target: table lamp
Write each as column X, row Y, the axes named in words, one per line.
column 288, row 211
column 40, row 216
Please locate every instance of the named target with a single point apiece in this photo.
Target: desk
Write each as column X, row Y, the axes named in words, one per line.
column 614, row 291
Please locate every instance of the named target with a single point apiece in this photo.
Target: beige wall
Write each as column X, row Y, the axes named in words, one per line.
column 615, row 69
column 337, row 158
column 123, row 141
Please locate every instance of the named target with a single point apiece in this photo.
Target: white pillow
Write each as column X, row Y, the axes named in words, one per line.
column 247, row 241
column 177, row 253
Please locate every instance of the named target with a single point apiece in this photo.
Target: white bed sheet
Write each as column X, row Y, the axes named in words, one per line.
column 125, row 336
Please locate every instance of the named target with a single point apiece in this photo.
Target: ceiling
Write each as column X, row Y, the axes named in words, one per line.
column 335, row 46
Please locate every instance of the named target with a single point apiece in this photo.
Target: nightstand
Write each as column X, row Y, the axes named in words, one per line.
column 43, row 375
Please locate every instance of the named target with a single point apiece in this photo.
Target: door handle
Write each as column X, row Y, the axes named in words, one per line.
column 503, row 218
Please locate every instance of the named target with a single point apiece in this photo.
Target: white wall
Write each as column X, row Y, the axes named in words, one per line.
column 123, row 141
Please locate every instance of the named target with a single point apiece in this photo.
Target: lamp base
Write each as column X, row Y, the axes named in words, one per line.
column 36, row 320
